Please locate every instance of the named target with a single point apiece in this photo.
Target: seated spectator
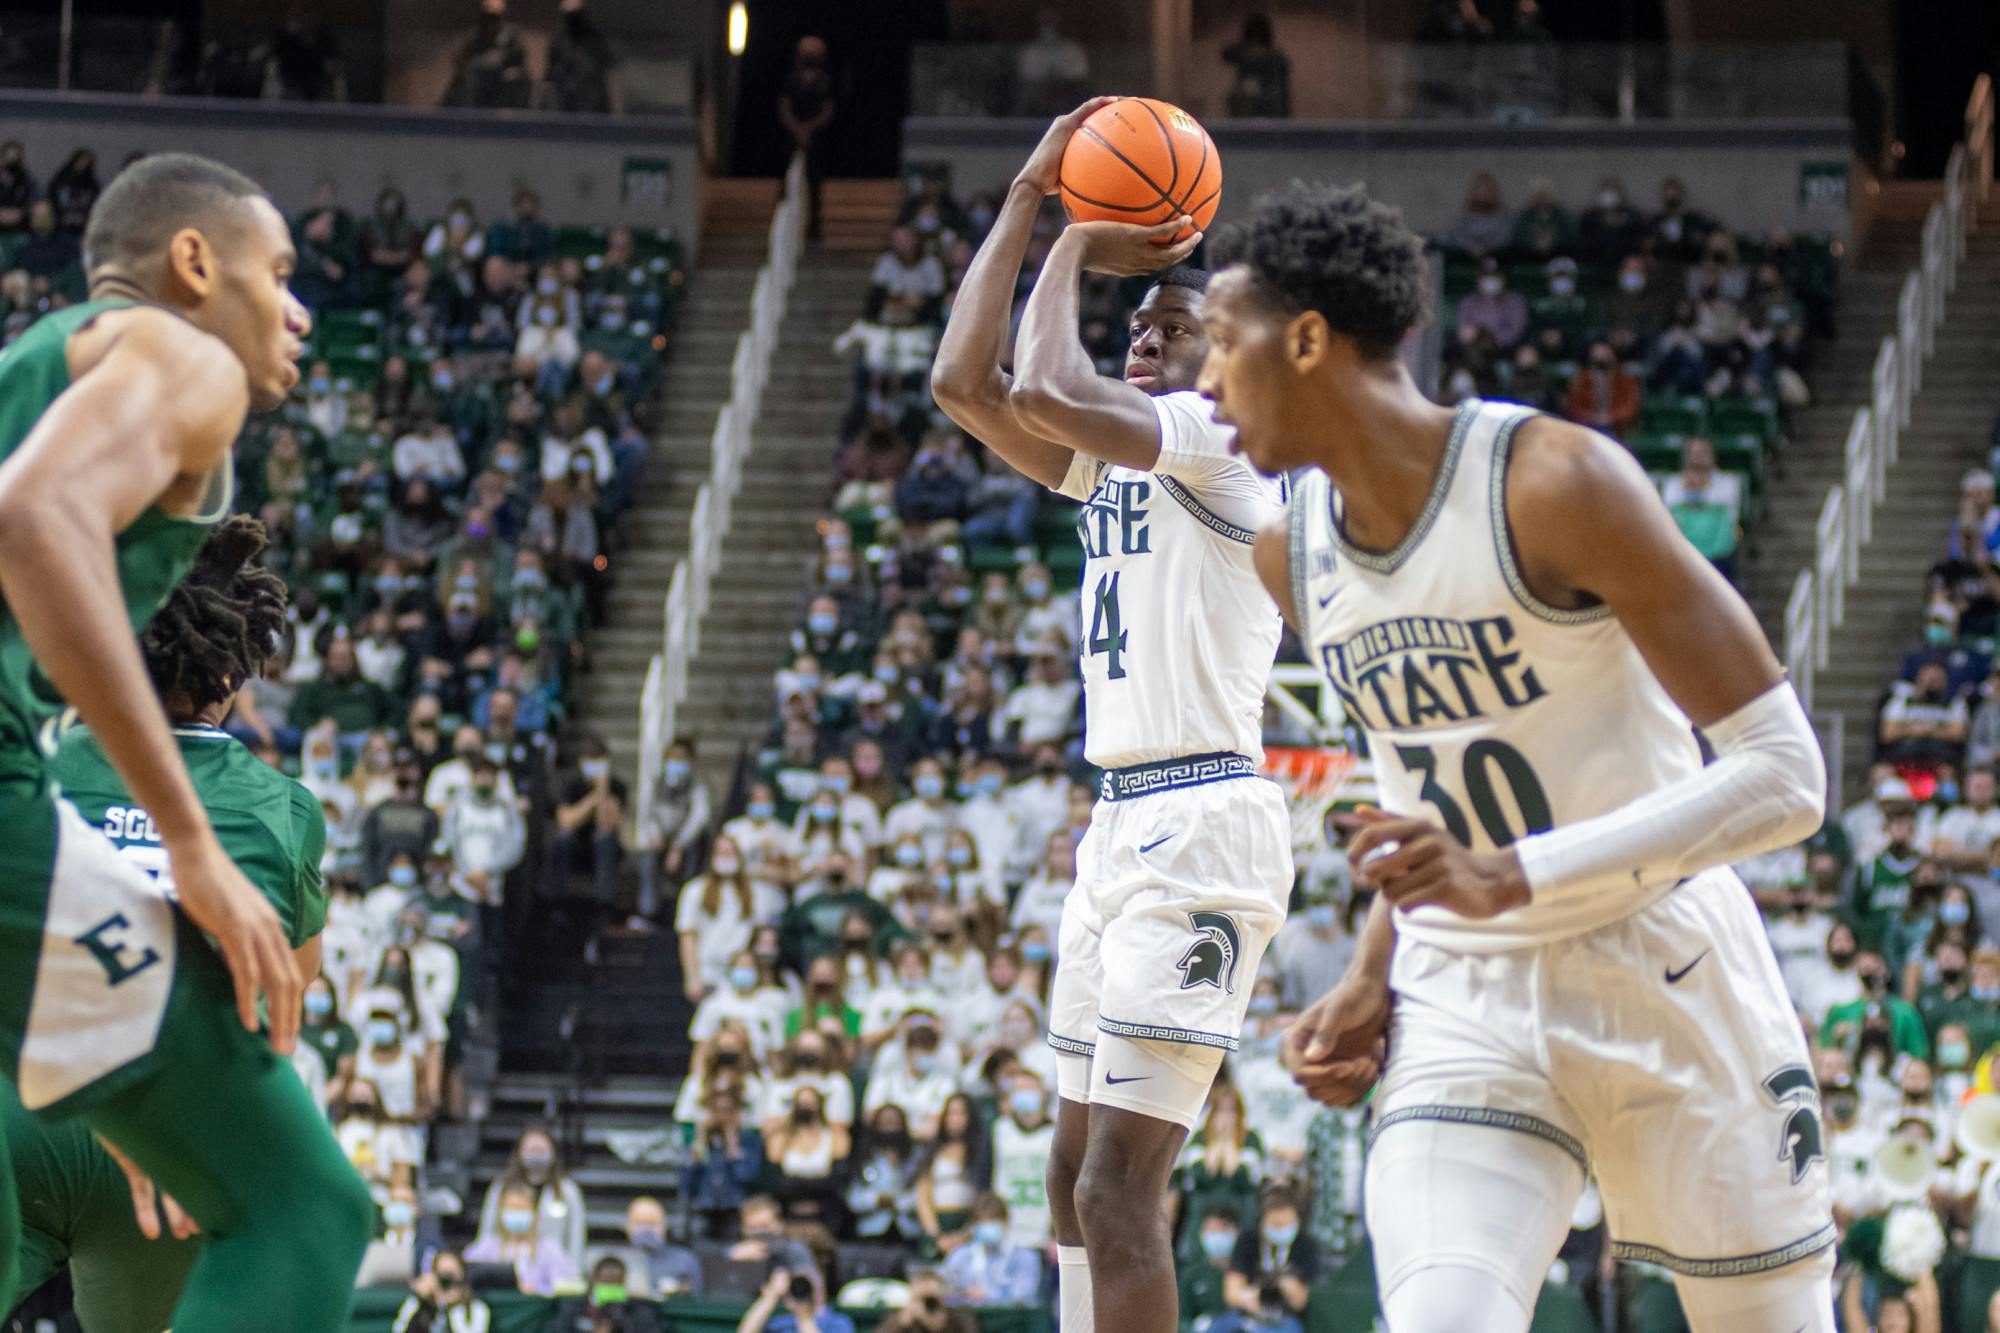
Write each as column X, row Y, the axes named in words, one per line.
column 655, row 1267
column 540, row 1261
column 954, row 1168
column 1023, row 1137
column 1924, row 725
column 763, row 1240
column 1203, row 1276
column 992, row 1268
column 1272, row 1259
column 926, row 1311
column 1966, row 833
column 931, row 491
column 383, row 1149
column 1220, row 1167
column 919, row 1084
column 882, row 1171
column 1610, row 228
column 726, row 1059
column 1483, row 227
column 1966, row 667
column 1493, row 309
column 429, row 450
column 590, row 810
column 441, row 1301
column 535, row 1179
column 810, row 1154
column 792, row 1303
column 1002, row 507
column 17, row 188
column 907, row 284
column 1603, row 395
column 715, row 915
column 342, row 693
column 322, row 1031
column 484, row 833
column 1706, row 505
column 1678, row 232
column 607, row 1307
column 1543, row 229
column 394, row 1256
column 1878, row 1027
column 745, row 1001
column 1044, row 709
column 1311, row 951
column 1679, row 360
column 1041, row 899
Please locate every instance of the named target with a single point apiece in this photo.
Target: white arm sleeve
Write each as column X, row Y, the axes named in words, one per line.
column 1766, row 789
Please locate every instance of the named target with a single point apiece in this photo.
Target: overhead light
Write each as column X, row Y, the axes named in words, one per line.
column 739, row 27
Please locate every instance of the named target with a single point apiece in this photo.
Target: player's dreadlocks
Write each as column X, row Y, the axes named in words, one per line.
column 221, row 623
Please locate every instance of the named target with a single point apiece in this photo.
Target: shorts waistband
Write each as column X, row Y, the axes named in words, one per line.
column 1192, row 770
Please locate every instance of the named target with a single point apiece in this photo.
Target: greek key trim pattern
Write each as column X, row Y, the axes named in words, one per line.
column 1071, row 1046
column 1740, row 1265
column 1154, row 1032
column 1125, row 784
column 1517, row 1121
column 1205, row 514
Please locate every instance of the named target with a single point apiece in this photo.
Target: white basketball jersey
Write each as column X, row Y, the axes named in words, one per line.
column 1486, row 709
column 1179, row 635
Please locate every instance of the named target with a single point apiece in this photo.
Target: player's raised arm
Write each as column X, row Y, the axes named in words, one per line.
column 1589, row 528
column 162, row 405
column 1057, row 391
column 966, row 379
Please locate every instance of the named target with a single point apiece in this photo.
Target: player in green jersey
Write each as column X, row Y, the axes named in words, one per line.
column 79, row 1206
column 117, row 418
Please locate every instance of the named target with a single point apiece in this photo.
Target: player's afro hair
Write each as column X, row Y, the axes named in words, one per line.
column 1335, row 250
column 1184, row 275
column 221, row 623
column 147, row 202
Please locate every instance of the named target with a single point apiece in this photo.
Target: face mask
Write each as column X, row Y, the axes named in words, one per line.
column 648, row 1238
column 1951, row 976
column 1954, row 1054
column 743, row 978
column 1016, row 1035
column 988, row 784
column 837, row 783
column 1263, row 1004
column 319, row 1006
column 760, row 809
column 388, row 586
column 382, row 1031
column 725, row 866
column 1875, row 982
column 839, row 574
column 959, row 857
column 909, row 854
column 516, row 1220
column 1632, row 281
column 929, row 786
column 822, row 623
column 923, row 1065
column 1840, row 957
column 824, row 811
column 1218, row 1245
column 982, row 217
column 886, row 674
column 399, row 1212
column 1562, row 286
column 1281, row 1236
column 598, row 769
column 1608, row 200
column 483, row 790
column 319, row 384
column 403, row 877
column 1986, row 993
column 1490, row 286
column 538, row 1162
column 1937, row 636
column 989, row 1234
column 806, row 1060
column 1034, row 951
column 1954, row 913
column 1036, row 589
column 1025, row 1102
column 856, row 943
column 1319, row 915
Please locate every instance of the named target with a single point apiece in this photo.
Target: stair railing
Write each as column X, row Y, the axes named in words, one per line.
column 1816, row 605
column 693, row 580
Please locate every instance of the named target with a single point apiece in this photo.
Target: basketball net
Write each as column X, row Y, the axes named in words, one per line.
column 1315, row 779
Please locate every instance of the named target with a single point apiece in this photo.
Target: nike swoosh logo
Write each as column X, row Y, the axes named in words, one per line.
column 1114, row 1080
column 1327, row 600
column 1147, row 847
column 1673, row 976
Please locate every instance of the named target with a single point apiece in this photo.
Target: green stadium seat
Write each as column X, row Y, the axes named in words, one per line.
column 1656, row 452
column 1675, row 415
column 1745, row 416
column 580, row 242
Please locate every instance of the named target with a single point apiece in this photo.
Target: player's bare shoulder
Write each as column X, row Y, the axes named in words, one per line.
column 1574, row 499
column 196, row 382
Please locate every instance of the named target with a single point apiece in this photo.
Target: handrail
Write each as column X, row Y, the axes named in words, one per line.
column 1858, row 479
column 1801, row 637
column 693, row 580
column 1979, row 140
column 1829, row 570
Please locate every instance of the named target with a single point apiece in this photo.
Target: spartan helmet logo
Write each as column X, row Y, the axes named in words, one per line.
column 1211, row 959
column 1800, row 1140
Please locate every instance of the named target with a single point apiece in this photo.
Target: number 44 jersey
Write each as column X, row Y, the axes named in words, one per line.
column 1178, row 634
column 1487, row 710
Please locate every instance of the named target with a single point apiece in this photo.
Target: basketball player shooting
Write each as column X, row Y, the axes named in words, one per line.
column 1185, row 870
column 1580, row 982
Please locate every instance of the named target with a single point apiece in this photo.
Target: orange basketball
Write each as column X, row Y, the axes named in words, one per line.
column 1141, row 160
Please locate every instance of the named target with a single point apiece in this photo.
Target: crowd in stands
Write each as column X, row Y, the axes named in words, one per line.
column 440, row 489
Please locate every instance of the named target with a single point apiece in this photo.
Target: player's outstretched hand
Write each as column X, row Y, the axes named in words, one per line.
column 1336, row 1047
column 1415, row 863
column 1044, row 165
column 147, row 1200
column 222, row 902
column 1127, row 250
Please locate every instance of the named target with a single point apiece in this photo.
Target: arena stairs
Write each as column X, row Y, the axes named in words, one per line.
column 1950, row 418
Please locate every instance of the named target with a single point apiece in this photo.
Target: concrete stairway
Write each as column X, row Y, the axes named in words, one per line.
column 653, row 533
column 787, row 484
column 1947, row 434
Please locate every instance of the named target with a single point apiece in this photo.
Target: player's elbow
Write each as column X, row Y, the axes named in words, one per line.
column 1040, row 405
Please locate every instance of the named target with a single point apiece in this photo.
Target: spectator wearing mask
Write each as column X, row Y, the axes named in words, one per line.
column 1866, row 822
column 927, row 814
column 1638, row 303
column 1045, row 617
column 1610, row 228
column 811, row 1155
column 954, row 1169
column 1023, row 1138
column 73, row 190
column 1203, row 1276
column 1924, row 726
column 673, row 832
column 761, row 1226
column 607, row 1307
column 927, row 1311
column 1483, row 227
column 1543, row 230
column 402, row 826
column 484, row 834
column 1263, row 84
column 1882, row 886
column 881, row 1174
column 1678, row 232
column 385, row 1151
column 715, row 915
column 1041, row 899
column 491, row 69
column 743, row 1001
column 655, row 1267
column 1797, row 928
column 1311, row 951
column 1493, row 309
column 1706, row 504
column 331, row 1040
column 1040, row 806
column 394, row 1255
column 931, row 492
column 17, row 189
column 1604, row 395
column 1273, row 1259
column 557, row 1203
column 441, row 1301
column 1044, row 708
column 992, row 1268
column 919, row 1083
column 540, row 1262
column 1221, row 1166
column 355, row 703
column 1966, row 833
column 792, row 1303
column 590, row 810
column 1901, row 1027
column 768, row 846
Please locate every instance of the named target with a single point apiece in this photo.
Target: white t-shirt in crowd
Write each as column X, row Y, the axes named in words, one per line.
column 724, row 933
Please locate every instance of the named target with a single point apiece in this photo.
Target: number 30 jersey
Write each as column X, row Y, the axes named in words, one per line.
column 1178, row 634
column 1486, row 710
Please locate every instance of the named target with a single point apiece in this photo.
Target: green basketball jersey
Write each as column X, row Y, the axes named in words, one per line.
column 271, row 826
column 154, row 552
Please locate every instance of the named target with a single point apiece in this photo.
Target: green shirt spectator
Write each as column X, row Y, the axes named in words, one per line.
column 1849, row 1025
column 1202, row 1277
column 355, row 703
column 1882, row 888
